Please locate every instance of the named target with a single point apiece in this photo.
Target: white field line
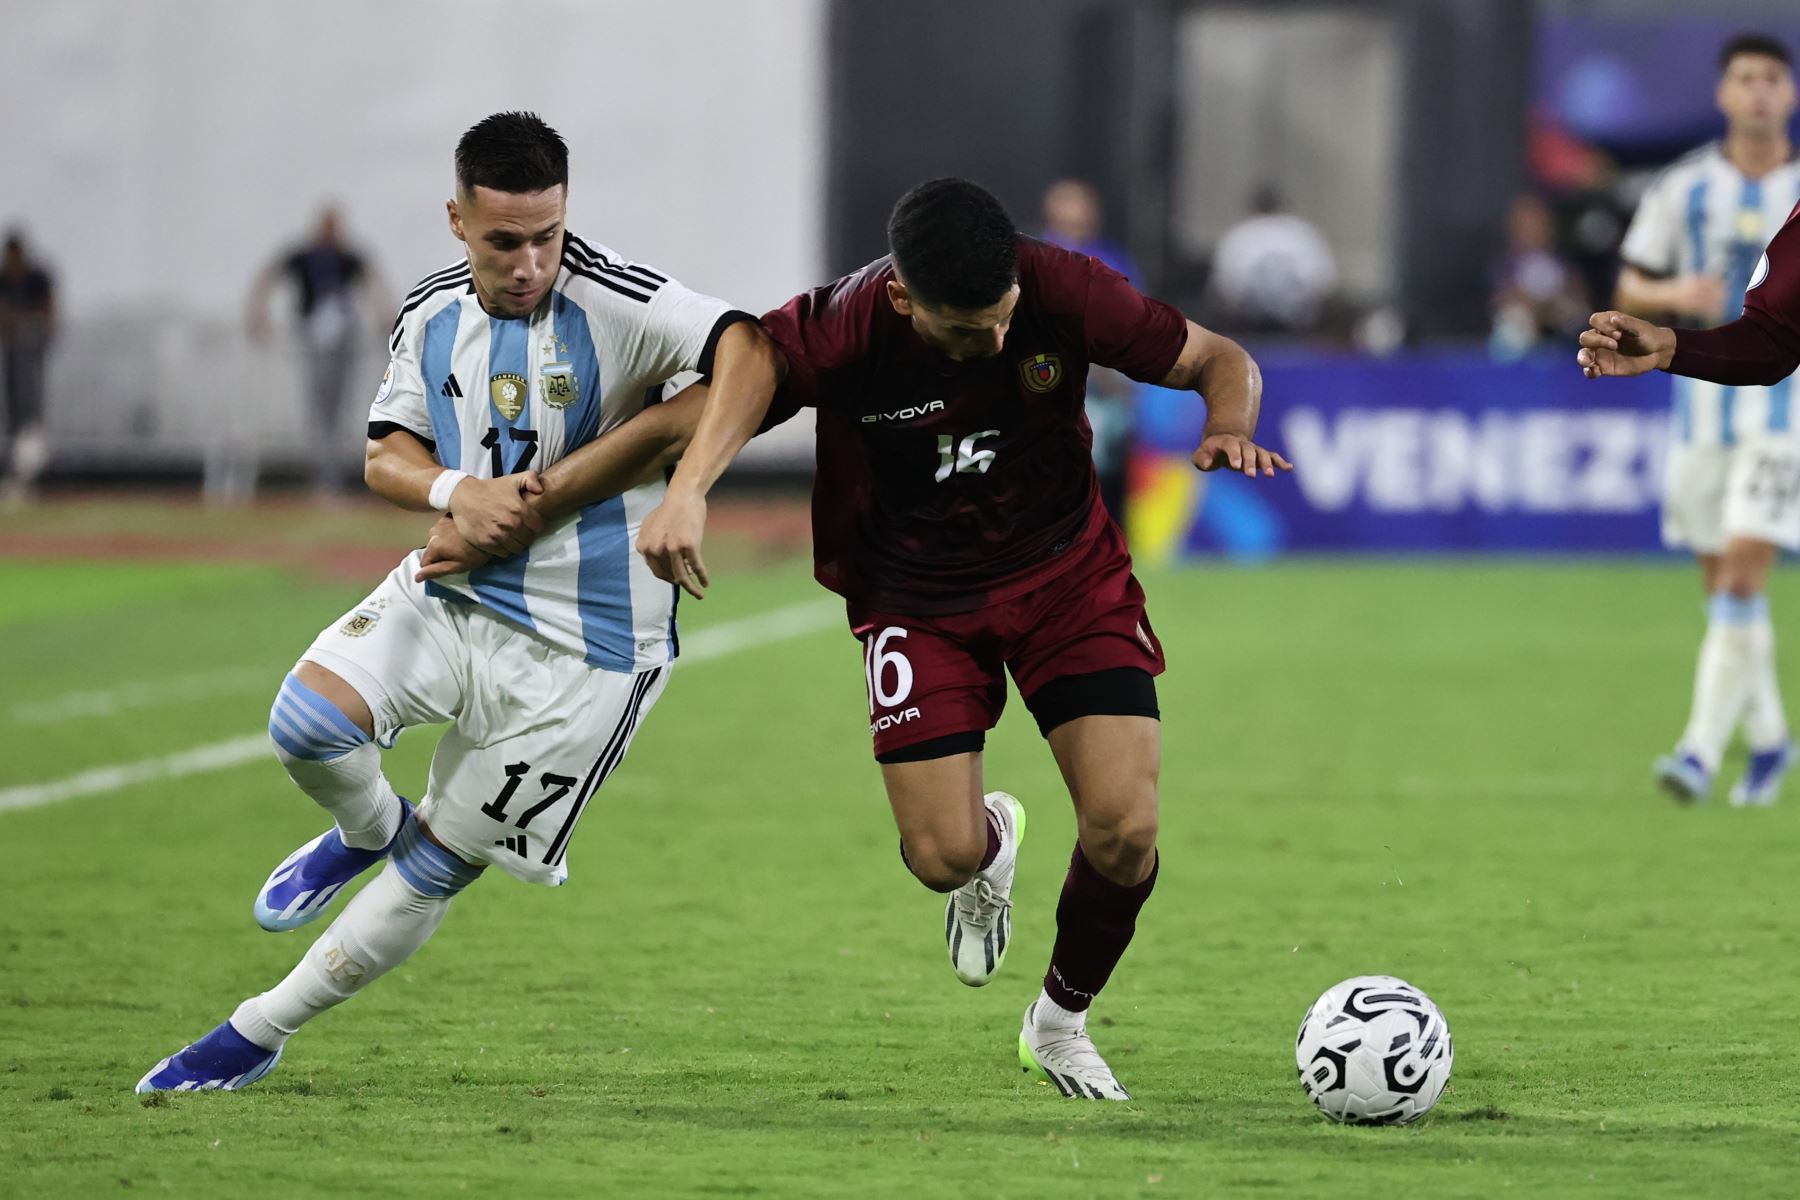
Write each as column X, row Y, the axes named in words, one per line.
column 720, row 641
column 233, row 752
column 106, row 702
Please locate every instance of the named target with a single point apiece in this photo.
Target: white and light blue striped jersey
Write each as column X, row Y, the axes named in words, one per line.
column 495, row 395
column 1703, row 216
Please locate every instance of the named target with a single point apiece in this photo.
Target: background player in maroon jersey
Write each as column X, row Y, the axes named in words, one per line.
column 956, row 509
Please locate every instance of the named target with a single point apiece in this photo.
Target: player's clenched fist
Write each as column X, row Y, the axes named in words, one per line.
column 493, row 513
column 1617, row 344
column 1220, row 450
column 447, row 552
column 669, row 540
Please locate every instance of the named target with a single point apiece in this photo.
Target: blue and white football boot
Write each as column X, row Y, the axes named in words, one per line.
column 1761, row 783
column 224, row 1060
column 1683, row 776
column 310, row 878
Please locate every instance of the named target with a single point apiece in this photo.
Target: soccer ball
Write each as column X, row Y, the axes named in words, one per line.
column 1374, row 1050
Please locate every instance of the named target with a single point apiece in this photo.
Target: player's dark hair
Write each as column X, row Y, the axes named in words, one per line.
column 953, row 244
column 511, row 152
column 1755, row 43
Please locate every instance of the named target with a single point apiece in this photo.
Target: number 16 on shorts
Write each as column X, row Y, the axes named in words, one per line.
column 889, row 674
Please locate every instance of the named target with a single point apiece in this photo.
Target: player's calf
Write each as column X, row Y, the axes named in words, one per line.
column 332, row 759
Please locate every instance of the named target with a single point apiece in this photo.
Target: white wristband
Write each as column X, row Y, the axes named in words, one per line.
column 442, row 486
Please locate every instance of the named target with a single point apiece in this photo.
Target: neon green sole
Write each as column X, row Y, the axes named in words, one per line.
column 1018, row 812
column 1030, row 1063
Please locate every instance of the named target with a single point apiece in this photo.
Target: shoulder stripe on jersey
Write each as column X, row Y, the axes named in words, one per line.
column 621, row 273
column 601, row 260
column 434, row 284
column 582, row 250
column 456, row 281
column 437, row 277
column 576, row 267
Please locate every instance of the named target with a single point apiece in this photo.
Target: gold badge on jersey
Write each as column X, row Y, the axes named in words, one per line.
column 508, row 392
column 1041, row 372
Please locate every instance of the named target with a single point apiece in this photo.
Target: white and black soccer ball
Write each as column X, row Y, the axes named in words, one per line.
column 1374, row 1050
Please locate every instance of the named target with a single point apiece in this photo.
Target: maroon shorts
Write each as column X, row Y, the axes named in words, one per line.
column 934, row 677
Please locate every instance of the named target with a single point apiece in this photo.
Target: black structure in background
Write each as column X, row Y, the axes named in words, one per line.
column 1017, row 93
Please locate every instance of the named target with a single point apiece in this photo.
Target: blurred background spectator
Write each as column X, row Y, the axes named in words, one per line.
column 1272, row 271
column 339, row 301
column 27, row 326
column 1538, row 296
column 1073, row 217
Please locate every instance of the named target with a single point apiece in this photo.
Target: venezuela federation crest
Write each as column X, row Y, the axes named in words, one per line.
column 1041, row 372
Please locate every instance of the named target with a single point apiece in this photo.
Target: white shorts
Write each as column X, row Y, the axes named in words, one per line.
column 534, row 732
column 1712, row 494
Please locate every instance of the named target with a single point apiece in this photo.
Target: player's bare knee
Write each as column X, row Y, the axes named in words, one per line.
column 944, row 865
column 336, row 689
column 1121, row 841
column 309, row 724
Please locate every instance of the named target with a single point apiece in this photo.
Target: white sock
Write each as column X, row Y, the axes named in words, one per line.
column 353, row 790
column 1765, row 720
column 1725, row 675
column 378, row 930
column 1051, row 1015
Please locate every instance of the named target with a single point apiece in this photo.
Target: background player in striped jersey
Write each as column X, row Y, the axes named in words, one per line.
column 957, row 511
column 544, row 662
column 1689, row 253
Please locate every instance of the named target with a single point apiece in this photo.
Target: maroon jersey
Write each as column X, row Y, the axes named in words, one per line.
column 944, row 486
column 1762, row 347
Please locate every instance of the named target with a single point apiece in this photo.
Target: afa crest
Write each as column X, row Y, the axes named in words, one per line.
column 363, row 619
column 1041, row 372
column 508, row 392
column 560, row 387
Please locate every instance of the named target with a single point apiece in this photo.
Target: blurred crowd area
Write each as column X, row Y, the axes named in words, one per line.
column 1281, row 207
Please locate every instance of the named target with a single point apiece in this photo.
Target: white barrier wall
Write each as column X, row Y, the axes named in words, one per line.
column 158, row 154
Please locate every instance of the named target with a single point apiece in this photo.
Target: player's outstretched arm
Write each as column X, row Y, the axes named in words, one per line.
column 1618, row 344
column 747, row 368
column 1230, row 382
column 1747, row 352
column 636, row 452
column 493, row 514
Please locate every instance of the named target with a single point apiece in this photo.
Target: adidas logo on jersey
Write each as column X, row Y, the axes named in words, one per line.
column 451, row 389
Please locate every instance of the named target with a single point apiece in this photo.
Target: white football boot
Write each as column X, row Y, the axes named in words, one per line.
column 1067, row 1059
column 978, row 915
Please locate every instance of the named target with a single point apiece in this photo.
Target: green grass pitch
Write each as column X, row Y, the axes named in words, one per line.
column 1438, row 771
